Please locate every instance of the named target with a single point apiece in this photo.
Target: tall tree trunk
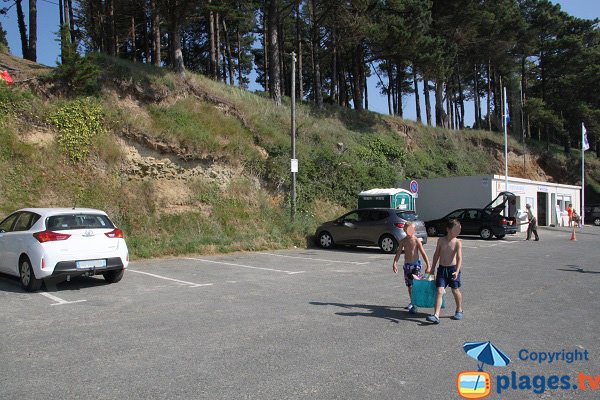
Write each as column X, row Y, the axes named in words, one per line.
column 239, row 60
column 366, row 94
column 156, row 59
column 356, row 77
column 427, row 100
column 146, row 35
column 274, row 71
column 342, row 84
column 224, row 64
column 543, row 74
column 476, row 96
column 333, row 92
column 489, row 94
column 22, row 28
column 417, row 99
column 32, row 51
column 71, row 21
column 523, row 97
column 282, row 65
column 316, row 42
column 94, row 21
column 60, row 13
column 299, row 35
column 112, row 41
column 133, row 46
column 399, row 81
column 213, row 45
column 389, row 88
column 393, row 87
column 228, row 47
column 176, row 54
column 440, row 119
column 217, row 45
column 266, row 51
column 498, row 97
column 450, row 105
column 461, row 104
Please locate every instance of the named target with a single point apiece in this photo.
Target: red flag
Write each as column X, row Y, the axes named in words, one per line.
column 7, row 78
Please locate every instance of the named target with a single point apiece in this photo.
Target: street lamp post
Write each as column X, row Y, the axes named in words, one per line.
column 294, row 161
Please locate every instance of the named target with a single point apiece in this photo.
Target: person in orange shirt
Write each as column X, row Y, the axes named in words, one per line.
column 570, row 214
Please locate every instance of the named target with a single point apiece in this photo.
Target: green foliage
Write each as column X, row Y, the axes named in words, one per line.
column 79, row 122
column 77, row 74
column 204, row 128
column 14, row 100
column 3, row 41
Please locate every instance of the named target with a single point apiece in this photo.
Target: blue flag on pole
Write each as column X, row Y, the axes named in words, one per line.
column 584, row 144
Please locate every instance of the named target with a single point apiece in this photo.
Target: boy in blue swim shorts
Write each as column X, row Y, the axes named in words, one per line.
column 412, row 246
column 449, row 253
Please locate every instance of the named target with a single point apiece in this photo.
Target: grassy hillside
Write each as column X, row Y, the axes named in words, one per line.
column 195, row 166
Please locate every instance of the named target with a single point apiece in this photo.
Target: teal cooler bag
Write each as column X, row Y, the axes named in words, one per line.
column 423, row 293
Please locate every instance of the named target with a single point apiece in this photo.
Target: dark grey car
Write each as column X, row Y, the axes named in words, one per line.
column 381, row 227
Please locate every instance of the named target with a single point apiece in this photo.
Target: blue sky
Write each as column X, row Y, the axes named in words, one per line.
column 48, row 49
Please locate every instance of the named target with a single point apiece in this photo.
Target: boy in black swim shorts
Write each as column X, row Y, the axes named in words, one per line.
column 449, row 253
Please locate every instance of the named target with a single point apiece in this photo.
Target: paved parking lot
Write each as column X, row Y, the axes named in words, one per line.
column 301, row 324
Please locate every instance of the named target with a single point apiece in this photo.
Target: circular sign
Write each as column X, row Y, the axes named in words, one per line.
column 414, row 187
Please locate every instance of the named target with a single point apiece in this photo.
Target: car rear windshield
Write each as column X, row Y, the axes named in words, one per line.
column 407, row 216
column 79, row 221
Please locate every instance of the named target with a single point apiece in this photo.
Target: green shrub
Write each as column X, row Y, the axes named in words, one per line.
column 77, row 74
column 78, row 122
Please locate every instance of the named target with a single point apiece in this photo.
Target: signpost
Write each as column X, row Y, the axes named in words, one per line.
column 414, row 189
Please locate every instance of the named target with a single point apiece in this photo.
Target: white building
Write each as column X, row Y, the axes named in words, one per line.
column 438, row 196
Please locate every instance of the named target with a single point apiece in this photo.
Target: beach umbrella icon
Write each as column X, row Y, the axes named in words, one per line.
column 486, row 353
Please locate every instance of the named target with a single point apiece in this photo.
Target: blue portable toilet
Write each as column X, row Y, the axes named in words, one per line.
column 400, row 199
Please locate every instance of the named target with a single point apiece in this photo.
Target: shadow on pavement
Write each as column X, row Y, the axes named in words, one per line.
column 577, row 268
column 9, row 283
column 392, row 314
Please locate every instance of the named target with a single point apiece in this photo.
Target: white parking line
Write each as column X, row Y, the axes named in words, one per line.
column 58, row 300
column 316, row 259
column 190, row 284
column 246, row 266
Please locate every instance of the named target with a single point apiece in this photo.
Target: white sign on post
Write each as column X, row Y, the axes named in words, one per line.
column 294, row 164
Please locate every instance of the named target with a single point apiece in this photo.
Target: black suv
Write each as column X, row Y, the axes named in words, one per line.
column 592, row 214
column 485, row 222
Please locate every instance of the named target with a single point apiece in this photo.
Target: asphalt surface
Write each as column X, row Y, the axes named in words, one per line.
column 306, row 324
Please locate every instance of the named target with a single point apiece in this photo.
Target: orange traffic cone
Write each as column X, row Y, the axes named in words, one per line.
column 573, row 237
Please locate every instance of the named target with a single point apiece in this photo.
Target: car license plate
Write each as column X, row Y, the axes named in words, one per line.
column 91, row 264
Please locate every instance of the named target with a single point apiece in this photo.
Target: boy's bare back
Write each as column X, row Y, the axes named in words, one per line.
column 411, row 248
column 448, row 250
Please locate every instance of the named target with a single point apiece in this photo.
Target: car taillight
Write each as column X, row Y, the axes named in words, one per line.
column 503, row 221
column 115, row 233
column 49, row 236
column 399, row 225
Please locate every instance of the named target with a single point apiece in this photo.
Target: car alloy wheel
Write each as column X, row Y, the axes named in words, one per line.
column 27, row 276
column 325, row 240
column 388, row 244
column 485, row 233
column 432, row 231
column 597, row 221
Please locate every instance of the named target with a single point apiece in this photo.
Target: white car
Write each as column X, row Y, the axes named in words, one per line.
column 38, row 243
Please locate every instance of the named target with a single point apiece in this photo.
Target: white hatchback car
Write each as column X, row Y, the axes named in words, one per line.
column 38, row 243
